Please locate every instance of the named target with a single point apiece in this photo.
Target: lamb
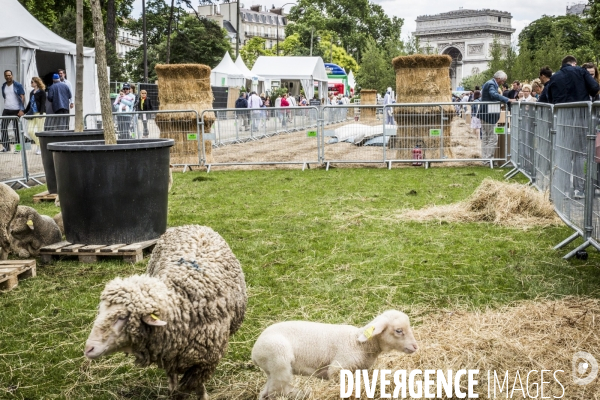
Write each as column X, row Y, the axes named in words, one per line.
column 31, row 231
column 180, row 313
column 9, row 200
column 309, row 348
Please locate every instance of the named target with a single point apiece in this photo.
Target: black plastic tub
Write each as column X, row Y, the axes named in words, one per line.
column 112, row 194
column 47, row 137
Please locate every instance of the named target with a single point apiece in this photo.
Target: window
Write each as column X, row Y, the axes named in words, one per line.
column 499, row 19
column 263, row 19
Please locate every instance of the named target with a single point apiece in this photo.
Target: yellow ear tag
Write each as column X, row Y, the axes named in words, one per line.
column 369, row 332
column 154, row 317
column 29, row 222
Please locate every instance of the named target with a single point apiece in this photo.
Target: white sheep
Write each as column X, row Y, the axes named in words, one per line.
column 31, row 231
column 180, row 313
column 309, row 348
column 9, row 200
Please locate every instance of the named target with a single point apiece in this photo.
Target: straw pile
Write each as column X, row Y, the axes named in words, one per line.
column 368, row 96
column 526, row 336
column 464, row 140
column 184, row 87
column 508, row 204
column 421, row 79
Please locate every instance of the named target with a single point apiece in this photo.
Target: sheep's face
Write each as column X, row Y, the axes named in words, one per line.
column 22, row 224
column 108, row 334
column 392, row 331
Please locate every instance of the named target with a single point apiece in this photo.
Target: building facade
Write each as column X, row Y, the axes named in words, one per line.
column 257, row 20
column 126, row 41
column 466, row 36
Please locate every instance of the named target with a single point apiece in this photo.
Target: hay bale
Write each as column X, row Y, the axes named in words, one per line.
column 368, row 97
column 421, row 79
column 508, row 204
column 184, row 87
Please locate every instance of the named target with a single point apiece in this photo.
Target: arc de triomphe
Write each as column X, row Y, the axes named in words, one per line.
column 465, row 35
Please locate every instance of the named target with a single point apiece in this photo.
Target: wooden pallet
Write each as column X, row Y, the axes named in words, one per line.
column 44, row 196
column 89, row 253
column 12, row 271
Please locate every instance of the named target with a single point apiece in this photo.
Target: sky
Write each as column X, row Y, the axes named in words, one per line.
column 523, row 11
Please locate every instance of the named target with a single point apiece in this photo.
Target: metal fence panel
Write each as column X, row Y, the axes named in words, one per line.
column 444, row 132
column 285, row 135
column 12, row 162
column 514, row 130
column 182, row 126
column 527, row 124
column 569, row 161
column 544, row 125
column 354, row 134
column 595, row 172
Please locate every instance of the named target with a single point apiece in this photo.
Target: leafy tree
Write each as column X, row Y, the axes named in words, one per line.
column 338, row 56
column 254, row 48
column 575, row 32
column 157, row 21
column 65, row 26
column 376, row 71
column 354, row 21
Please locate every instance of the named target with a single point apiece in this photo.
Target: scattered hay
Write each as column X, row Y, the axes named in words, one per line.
column 464, row 140
column 508, row 204
column 184, row 87
column 529, row 336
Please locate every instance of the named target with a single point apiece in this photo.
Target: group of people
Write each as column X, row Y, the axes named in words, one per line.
column 258, row 115
column 126, row 102
column 59, row 96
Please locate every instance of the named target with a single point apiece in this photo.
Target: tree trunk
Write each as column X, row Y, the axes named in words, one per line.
column 169, row 31
column 79, row 68
column 111, row 23
column 105, row 103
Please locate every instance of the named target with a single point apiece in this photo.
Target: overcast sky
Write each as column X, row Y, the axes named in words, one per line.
column 523, row 11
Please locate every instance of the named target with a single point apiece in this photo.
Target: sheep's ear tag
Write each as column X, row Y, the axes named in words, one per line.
column 30, row 224
column 369, row 332
column 153, row 320
column 154, row 317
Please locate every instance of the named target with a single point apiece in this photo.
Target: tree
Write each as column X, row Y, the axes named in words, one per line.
column 353, row 21
column 338, row 55
column 254, row 48
column 65, row 25
column 376, row 71
column 79, row 69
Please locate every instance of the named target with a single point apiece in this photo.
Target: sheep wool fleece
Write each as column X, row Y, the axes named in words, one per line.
column 9, row 200
column 195, row 283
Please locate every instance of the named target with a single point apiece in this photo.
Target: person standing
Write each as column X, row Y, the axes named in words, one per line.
column 545, row 77
column 284, row 103
column 387, row 100
column 144, row 104
column 14, row 105
column 36, row 106
column 489, row 114
column 242, row 104
column 571, row 83
column 59, row 95
column 254, row 103
column 124, row 103
column 63, row 78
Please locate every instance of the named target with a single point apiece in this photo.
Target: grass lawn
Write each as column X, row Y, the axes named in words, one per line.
column 319, row 245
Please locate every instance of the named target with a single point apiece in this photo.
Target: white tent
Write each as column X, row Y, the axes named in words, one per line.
column 248, row 74
column 226, row 73
column 29, row 49
column 307, row 70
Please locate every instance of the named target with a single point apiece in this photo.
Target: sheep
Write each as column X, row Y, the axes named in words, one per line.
column 31, row 231
column 9, row 200
column 309, row 348
column 59, row 221
column 180, row 314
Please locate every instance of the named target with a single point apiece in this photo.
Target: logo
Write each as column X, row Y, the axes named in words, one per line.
column 585, row 368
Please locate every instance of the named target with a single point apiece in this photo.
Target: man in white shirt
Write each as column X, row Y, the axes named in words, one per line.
column 254, row 102
column 14, row 105
column 63, row 78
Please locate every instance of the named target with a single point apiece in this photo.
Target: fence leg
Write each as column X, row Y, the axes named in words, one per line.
column 567, row 241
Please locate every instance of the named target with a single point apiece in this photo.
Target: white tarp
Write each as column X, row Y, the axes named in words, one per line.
column 247, row 73
column 227, row 73
column 307, row 70
column 41, row 51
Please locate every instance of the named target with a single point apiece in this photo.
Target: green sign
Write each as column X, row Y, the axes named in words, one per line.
column 192, row 136
column 18, row 147
column 435, row 132
column 499, row 130
column 311, row 134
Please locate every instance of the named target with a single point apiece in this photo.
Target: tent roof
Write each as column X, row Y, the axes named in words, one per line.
column 227, row 67
column 20, row 29
column 242, row 67
column 351, row 81
column 290, row 68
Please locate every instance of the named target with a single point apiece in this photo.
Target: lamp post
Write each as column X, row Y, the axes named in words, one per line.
column 145, row 41
column 281, row 8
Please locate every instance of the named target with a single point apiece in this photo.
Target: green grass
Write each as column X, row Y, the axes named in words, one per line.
column 319, row 245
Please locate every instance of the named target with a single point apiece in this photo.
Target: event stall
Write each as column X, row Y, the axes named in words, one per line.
column 227, row 74
column 293, row 73
column 29, row 49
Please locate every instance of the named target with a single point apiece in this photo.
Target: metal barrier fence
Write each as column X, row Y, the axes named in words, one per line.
column 286, row 135
column 182, row 125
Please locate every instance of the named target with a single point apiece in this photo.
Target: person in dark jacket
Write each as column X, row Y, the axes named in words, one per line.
column 571, row 83
column 242, row 103
column 36, row 106
column 545, row 77
column 144, row 104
